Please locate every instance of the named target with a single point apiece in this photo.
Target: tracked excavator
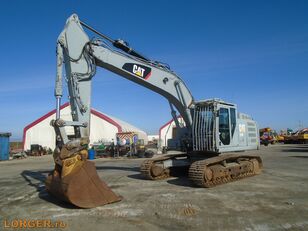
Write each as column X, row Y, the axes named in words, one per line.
column 213, row 134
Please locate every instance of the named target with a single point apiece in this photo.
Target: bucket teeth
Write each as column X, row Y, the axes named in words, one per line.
column 81, row 187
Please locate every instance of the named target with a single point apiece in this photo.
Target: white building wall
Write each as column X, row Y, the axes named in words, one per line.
column 165, row 132
column 43, row 133
column 101, row 130
column 153, row 137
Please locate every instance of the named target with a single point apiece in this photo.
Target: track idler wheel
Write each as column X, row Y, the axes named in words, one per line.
column 78, row 183
column 157, row 171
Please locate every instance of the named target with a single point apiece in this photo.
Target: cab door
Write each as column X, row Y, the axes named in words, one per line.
column 224, row 127
column 227, row 124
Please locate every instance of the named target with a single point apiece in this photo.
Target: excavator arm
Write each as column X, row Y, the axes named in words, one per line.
column 74, row 179
column 81, row 56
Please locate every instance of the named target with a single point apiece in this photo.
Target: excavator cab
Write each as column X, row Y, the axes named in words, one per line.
column 218, row 127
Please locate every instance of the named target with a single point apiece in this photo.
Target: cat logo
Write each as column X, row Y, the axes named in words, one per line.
column 138, row 70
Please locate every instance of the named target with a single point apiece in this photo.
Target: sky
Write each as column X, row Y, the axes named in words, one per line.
column 252, row 53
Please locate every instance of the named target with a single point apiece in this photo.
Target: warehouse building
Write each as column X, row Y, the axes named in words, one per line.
column 103, row 128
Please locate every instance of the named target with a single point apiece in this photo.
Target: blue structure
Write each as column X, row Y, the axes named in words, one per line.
column 91, row 154
column 4, row 146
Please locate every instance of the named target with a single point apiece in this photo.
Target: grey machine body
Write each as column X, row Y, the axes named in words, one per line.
column 211, row 126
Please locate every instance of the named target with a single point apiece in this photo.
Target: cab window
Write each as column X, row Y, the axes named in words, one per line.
column 224, row 126
column 233, row 120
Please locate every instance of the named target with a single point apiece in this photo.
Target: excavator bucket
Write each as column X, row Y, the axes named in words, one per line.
column 81, row 187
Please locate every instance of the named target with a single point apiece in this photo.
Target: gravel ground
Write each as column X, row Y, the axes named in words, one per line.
column 275, row 200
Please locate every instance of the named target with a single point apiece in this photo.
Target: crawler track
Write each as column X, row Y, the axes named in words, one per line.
column 223, row 169
column 153, row 169
column 207, row 172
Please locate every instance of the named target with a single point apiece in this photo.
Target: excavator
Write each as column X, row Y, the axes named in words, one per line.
column 213, row 136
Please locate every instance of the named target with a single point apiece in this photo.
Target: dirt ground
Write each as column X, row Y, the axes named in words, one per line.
column 275, row 200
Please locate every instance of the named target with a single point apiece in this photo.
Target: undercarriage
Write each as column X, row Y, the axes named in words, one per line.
column 203, row 172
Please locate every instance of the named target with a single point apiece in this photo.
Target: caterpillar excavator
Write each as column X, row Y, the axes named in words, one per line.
column 213, row 134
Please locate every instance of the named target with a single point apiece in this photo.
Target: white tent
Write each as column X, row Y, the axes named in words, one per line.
column 103, row 128
column 167, row 131
column 153, row 137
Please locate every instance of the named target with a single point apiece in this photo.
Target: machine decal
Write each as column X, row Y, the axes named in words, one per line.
column 141, row 71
